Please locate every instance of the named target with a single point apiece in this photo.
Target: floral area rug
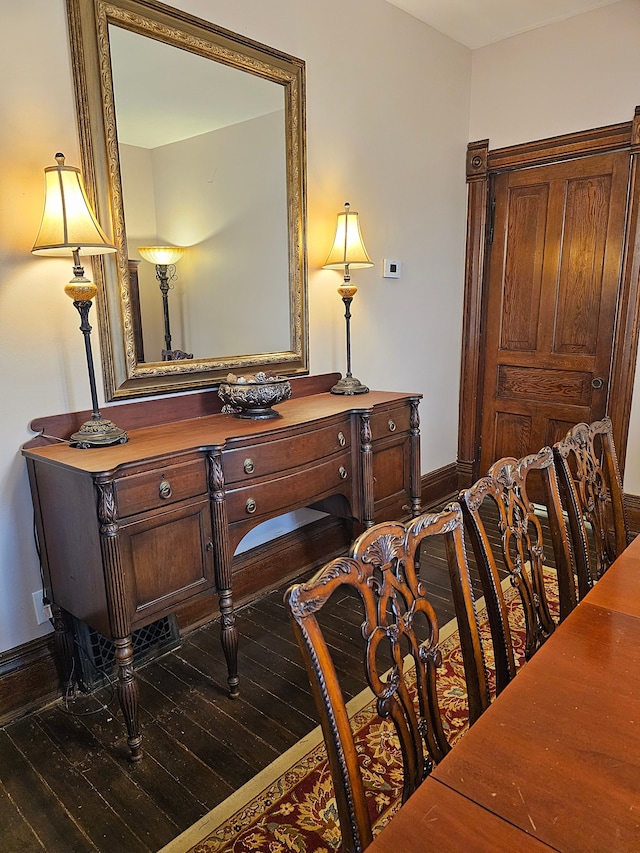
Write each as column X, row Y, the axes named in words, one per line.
column 290, row 808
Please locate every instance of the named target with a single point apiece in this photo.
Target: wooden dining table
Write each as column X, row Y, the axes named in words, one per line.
column 554, row 762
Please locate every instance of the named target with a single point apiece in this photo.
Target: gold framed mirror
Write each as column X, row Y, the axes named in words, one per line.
column 192, row 137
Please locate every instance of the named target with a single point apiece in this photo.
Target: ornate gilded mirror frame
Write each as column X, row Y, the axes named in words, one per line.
column 89, row 21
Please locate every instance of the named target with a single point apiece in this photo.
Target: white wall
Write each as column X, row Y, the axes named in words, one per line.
column 387, row 126
column 223, row 195
column 43, row 369
column 136, row 173
column 569, row 76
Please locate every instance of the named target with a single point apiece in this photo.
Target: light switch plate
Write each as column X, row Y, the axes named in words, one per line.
column 391, row 269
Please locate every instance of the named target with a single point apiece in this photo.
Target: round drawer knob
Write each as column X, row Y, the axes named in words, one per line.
column 248, row 466
column 392, row 426
column 341, row 439
column 164, row 489
column 251, row 506
column 343, row 472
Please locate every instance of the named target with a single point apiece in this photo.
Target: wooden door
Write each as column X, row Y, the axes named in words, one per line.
column 552, row 285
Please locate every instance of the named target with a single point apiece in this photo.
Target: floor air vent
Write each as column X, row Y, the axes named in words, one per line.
column 95, row 654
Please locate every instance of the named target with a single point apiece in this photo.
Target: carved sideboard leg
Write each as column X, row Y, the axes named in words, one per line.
column 366, row 461
column 115, row 586
column 415, row 486
column 229, row 640
column 222, row 558
column 128, row 695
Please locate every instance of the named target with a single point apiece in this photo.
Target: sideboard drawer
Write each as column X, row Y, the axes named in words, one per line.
column 269, row 457
column 386, row 424
column 277, row 495
column 160, row 487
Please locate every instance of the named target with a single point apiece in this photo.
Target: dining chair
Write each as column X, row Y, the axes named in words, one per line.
column 591, row 487
column 500, row 499
column 399, row 625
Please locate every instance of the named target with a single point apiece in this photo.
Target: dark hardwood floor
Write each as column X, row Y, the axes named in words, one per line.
column 66, row 784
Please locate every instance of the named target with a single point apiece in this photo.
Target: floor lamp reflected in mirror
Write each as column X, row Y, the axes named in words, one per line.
column 348, row 252
column 70, row 228
column 165, row 259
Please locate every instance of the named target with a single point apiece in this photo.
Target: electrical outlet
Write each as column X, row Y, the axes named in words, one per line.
column 43, row 612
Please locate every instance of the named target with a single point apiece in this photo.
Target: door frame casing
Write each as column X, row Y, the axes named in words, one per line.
column 482, row 165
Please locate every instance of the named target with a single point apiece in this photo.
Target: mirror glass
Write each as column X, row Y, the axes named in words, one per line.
column 194, row 139
column 203, row 166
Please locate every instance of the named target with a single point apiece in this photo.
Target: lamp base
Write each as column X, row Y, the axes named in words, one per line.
column 98, row 432
column 349, row 385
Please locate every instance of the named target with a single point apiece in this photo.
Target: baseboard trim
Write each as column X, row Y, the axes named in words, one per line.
column 438, row 485
column 28, row 678
column 28, row 675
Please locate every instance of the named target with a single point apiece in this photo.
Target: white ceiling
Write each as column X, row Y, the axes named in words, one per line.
column 476, row 23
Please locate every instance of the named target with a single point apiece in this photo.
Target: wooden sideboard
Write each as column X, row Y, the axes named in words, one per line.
column 130, row 532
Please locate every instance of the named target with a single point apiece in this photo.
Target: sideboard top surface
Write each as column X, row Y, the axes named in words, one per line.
column 210, row 431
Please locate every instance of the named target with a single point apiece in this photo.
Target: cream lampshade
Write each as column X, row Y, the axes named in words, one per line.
column 348, row 251
column 348, row 246
column 161, row 255
column 69, row 228
column 68, row 223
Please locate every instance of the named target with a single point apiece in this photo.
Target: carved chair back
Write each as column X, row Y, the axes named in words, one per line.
column 398, row 621
column 591, row 486
column 520, row 553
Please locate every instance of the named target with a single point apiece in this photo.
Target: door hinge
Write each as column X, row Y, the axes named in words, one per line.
column 492, row 220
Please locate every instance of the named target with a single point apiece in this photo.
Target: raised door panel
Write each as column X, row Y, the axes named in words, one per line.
column 513, row 434
column 517, row 307
column 168, row 558
column 392, row 462
column 582, row 257
column 391, row 467
column 572, row 387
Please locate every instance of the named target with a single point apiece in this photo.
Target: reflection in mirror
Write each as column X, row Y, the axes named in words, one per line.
column 164, row 259
column 202, row 164
column 192, row 137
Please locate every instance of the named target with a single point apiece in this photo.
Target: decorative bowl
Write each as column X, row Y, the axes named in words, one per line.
column 253, row 397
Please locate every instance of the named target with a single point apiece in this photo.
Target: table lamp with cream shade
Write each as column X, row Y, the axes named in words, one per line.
column 70, row 228
column 165, row 258
column 348, row 252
